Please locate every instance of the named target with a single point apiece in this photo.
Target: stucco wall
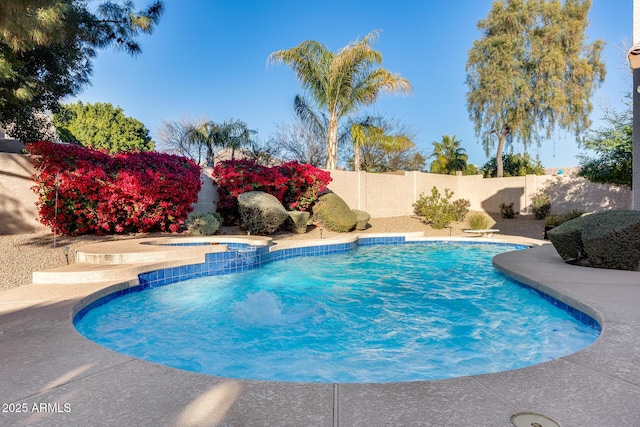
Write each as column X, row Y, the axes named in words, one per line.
column 18, row 211
column 17, row 202
column 393, row 194
column 379, row 194
column 208, row 195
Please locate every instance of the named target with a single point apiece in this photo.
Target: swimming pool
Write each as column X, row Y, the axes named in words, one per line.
column 411, row 312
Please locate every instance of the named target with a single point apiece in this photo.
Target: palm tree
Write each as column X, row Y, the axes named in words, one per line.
column 340, row 82
column 231, row 134
column 238, row 135
column 371, row 132
column 316, row 123
column 449, row 156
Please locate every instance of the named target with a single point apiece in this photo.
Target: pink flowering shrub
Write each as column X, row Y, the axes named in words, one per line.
column 129, row 192
column 304, row 185
column 296, row 185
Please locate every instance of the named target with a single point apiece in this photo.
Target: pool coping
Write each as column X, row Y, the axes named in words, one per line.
column 58, row 376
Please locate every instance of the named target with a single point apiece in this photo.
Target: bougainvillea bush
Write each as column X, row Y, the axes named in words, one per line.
column 294, row 184
column 98, row 193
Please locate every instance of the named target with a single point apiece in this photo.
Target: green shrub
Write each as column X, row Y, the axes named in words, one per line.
column 297, row 221
column 460, row 209
column 507, row 211
column 555, row 220
column 260, row 212
column 540, row 205
column 612, row 240
column 609, row 239
column 572, row 214
column 202, row 224
column 567, row 239
column 333, row 213
column 362, row 218
column 479, row 221
column 439, row 211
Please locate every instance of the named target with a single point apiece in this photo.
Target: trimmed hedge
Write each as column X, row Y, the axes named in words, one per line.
column 609, row 239
column 567, row 238
column 297, row 221
column 260, row 212
column 334, row 214
column 202, row 224
column 613, row 240
column 362, row 217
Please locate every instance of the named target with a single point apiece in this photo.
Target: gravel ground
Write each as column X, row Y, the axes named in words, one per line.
column 22, row 254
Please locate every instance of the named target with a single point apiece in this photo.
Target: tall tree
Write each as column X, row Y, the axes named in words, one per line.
column 377, row 158
column 239, row 136
column 232, row 134
column 532, row 71
column 47, row 47
column 613, row 145
column 382, row 144
column 340, row 82
column 375, row 131
column 449, row 156
column 101, row 126
column 514, row 165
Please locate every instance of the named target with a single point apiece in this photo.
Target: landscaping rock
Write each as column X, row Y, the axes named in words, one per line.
column 261, row 213
column 362, row 218
column 333, row 213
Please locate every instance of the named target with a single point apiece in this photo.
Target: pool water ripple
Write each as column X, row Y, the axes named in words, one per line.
column 377, row 314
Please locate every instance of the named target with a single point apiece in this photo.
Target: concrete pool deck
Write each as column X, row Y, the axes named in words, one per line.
column 51, row 375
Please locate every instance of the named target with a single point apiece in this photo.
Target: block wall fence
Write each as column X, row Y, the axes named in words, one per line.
column 382, row 195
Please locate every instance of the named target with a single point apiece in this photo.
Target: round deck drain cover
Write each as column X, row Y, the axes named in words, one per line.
column 532, row 420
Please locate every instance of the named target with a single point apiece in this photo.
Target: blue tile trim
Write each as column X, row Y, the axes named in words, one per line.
column 580, row 316
column 243, row 257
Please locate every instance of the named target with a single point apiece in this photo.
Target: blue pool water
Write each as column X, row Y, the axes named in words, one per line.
column 377, row 314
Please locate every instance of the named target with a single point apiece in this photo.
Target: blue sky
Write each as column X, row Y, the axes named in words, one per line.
column 209, row 58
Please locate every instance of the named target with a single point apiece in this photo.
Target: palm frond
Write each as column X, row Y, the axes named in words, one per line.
column 314, row 121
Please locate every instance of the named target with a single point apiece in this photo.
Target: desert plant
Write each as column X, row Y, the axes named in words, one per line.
column 202, row 224
column 362, row 217
column 479, row 221
column 540, row 205
column 260, row 212
column 333, row 213
column 438, row 211
column 297, row 221
column 507, row 211
column 554, row 220
column 607, row 239
column 572, row 214
column 460, row 209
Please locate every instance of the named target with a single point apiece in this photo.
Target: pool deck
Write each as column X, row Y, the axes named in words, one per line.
column 51, row 375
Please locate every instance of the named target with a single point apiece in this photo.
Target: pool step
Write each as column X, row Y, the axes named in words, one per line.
column 90, row 273
column 137, row 252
